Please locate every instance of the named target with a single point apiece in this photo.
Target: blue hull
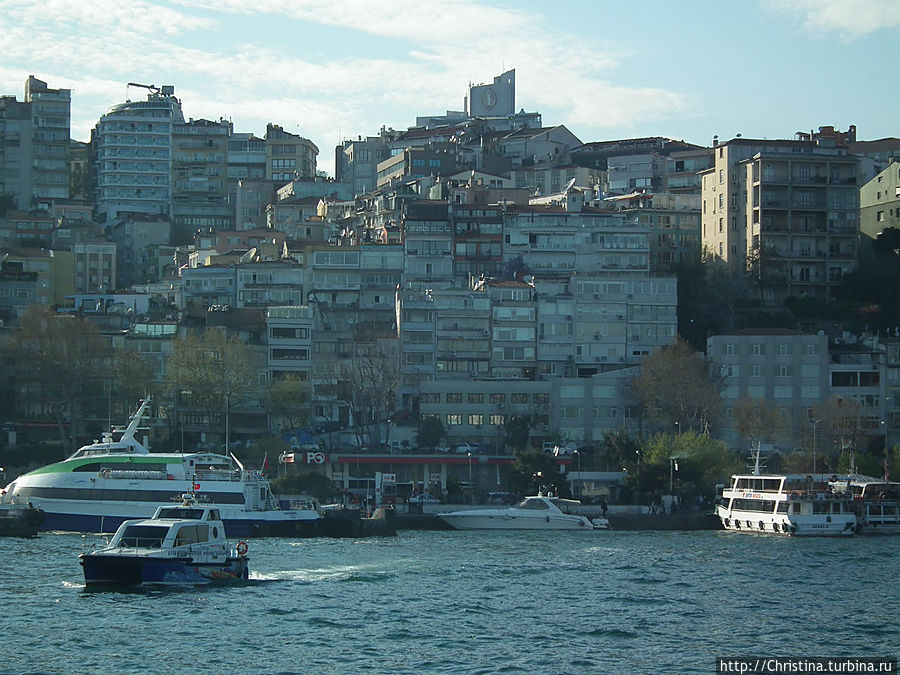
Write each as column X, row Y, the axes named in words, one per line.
column 121, row 570
column 240, row 529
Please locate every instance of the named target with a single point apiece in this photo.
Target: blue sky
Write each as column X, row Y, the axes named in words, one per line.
column 331, row 69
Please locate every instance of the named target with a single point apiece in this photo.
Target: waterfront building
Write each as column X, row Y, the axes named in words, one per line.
column 789, row 209
column 138, row 236
column 787, row 370
column 34, row 144
column 133, row 155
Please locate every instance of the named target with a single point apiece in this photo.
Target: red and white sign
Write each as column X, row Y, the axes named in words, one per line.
column 314, row 457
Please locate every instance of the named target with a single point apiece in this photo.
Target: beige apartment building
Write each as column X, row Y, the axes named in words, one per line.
column 787, row 211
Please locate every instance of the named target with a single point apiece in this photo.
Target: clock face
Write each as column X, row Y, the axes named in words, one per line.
column 489, row 98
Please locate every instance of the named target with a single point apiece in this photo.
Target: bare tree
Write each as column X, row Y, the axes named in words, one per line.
column 60, row 365
column 288, row 401
column 367, row 383
column 679, row 388
column 218, row 369
column 758, row 420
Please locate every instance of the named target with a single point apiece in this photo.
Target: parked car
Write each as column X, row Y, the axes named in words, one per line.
column 463, row 448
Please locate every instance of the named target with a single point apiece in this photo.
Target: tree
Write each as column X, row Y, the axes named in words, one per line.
column 758, row 420
column 518, row 429
column 431, row 432
column 537, row 471
column 367, row 383
column 288, row 401
column 216, row 368
column 840, row 430
column 678, row 387
column 60, row 365
column 702, row 463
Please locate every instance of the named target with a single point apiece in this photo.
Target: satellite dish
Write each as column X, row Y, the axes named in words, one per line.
column 249, row 256
column 569, row 185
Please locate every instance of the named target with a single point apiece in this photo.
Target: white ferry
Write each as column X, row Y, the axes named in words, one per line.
column 791, row 504
column 876, row 502
column 113, row 480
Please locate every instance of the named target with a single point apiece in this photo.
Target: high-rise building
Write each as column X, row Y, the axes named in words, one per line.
column 34, row 144
column 200, row 184
column 787, row 210
column 133, row 154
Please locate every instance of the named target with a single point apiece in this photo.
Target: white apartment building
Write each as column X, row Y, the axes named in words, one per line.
column 133, row 144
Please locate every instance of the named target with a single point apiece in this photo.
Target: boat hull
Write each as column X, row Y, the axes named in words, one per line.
column 838, row 525
column 129, row 570
column 506, row 521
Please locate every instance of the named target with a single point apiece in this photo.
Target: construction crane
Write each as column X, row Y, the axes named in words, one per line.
column 165, row 90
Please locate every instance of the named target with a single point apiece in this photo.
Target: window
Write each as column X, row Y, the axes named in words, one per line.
column 755, row 370
column 476, row 419
column 454, row 419
column 811, row 350
column 784, row 370
column 519, row 398
column 454, row 397
column 879, row 216
column 497, row 420
column 476, row 398
column 757, row 349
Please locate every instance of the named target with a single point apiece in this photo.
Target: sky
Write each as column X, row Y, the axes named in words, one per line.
column 336, row 69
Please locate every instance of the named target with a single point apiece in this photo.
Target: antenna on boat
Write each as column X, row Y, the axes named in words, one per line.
column 755, row 458
column 236, row 460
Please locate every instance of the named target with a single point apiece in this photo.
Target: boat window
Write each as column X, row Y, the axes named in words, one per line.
column 535, row 504
column 143, row 536
column 820, row 507
column 783, row 507
column 192, row 534
column 182, row 512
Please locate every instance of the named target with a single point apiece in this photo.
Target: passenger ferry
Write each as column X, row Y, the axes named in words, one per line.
column 115, row 479
column 792, row 504
column 875, row 501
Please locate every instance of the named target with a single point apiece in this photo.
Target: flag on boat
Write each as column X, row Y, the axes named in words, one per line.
column 265, row 464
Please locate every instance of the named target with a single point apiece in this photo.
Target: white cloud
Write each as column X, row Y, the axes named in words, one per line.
column 95, row 47
column 850, row 19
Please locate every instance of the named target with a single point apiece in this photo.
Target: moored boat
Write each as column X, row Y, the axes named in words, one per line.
column 875, row 501
column 20, row 521
column 539, row 512
column 180, row 545
column 794, row 505
column 117, row 478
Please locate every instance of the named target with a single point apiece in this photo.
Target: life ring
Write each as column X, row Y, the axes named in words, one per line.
column 242, row 548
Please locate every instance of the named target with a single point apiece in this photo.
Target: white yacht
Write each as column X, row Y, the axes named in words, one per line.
column 117, row 478
column 790, row 504
column 539, row 512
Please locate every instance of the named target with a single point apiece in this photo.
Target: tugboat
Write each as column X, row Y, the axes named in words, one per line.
column 180, row 545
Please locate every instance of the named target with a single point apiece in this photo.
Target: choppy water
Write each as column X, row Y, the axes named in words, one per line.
column 464, row 602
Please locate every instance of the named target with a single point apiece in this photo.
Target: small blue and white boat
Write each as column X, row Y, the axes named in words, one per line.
column 180, row 545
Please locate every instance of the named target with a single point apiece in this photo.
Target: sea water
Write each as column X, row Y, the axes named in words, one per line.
column 464, row 602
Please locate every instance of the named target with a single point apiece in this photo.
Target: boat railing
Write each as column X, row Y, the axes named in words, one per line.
column 218, row 474
column 132, row 474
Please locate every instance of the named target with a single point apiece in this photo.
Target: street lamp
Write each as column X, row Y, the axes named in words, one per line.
column 678, row 428
column 815, row 423
column 471, row 495
column 577, row 456
column 673, row 467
